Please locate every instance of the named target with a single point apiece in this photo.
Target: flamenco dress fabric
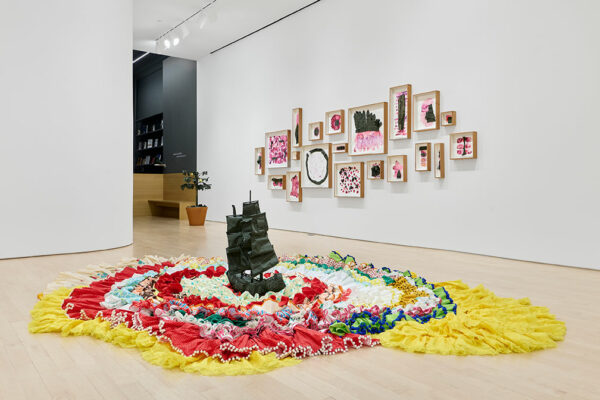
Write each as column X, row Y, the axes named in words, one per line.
column 182, row 313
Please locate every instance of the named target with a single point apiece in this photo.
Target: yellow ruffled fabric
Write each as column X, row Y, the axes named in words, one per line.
column 48, row 316
column 485, row 324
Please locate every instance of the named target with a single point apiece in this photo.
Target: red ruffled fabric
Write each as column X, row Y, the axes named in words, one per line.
column 185, row 338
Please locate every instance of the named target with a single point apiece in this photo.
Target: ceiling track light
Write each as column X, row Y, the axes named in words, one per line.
column 176, row 34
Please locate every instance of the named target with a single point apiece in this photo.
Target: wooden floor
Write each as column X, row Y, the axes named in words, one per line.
column 48, row 366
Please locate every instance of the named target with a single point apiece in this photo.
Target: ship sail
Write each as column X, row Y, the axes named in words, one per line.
column 249, row 251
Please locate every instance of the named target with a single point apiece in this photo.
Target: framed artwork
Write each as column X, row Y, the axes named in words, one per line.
column 295, row 155
column 335, row 121
column 367, row 128
column 316, row 166
column 277, row 148
column 259, row 161
column 396, row 168
column 293, row 190
column 315, row 131
column 349, row 179
column 400, row 112
column 276, row 182
column 426, row 111
column 463, row 145
column 340, row 148
column 375, row 169
column 423, row 157
column 297, row 127
column 439, row 170
column 449, row 118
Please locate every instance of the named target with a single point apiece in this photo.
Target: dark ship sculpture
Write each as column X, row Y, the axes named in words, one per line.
column 250, row 253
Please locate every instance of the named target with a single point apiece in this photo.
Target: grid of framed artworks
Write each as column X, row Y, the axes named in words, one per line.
column 367, row 131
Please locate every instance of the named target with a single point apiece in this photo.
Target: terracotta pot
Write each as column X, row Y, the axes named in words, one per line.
column 196, row 215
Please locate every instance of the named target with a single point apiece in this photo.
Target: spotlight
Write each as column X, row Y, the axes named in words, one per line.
column 167, row 43
column 175, row 41
column 202, row 20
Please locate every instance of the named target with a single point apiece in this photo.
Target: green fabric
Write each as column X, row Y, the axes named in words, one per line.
column 217, row 319
column 339, row 328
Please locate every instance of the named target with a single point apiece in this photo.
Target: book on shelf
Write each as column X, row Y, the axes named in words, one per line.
column 161, row 140
column 156, row 142
column 149, row 143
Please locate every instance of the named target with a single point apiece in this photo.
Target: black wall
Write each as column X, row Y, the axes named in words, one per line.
column 168, row 85
column 149, row 95
column 179, row 107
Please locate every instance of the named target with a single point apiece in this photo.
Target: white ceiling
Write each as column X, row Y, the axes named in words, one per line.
column 234, row 19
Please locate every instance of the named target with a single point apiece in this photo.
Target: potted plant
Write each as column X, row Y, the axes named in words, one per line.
column 196, row 181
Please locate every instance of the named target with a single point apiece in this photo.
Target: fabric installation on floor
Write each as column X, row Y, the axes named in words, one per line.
column 182, row 313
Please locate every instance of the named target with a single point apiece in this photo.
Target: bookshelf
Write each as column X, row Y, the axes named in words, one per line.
column 148, row 144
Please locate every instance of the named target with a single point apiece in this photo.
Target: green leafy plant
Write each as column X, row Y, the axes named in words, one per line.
column 196, row 181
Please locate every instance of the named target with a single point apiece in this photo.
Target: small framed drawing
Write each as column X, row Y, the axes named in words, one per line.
column 276, row 182
column 463, row 145
column 297, row 127
column 259, row 161
column 335, row 121
column 367, row 128
column 315, row 131
column 426, row 111
column 438, row 160
column 293, row 190
column 277, row 148
column 316, row 166
column 396, row 168
column 375, row 169
column 449, row 118
column 400, row 112
column 349, row 179
column 295, row 155
column 423, row 157
column 340, row 148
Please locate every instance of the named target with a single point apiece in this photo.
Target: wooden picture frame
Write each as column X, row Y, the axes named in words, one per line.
column 297, row 127
column 439, row 168
column 448, row 118
column 315, row 131
column 397, row 168
column 375, row 169
column 293, row 189
column 367, row 138
column 259, row 161
column 295, row 155
column 316, row 164
column 425, row 107
column 458, row 152
column 400, row 126
column 333, row 119
column 350, row 179
column 423, row 157
column 276, row 182
column 277, row 149
column 339, row 148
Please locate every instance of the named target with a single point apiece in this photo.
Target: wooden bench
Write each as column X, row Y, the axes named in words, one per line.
column 169, row 208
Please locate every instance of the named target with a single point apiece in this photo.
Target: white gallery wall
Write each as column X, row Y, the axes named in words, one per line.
column 65, row 126
column 523, row 74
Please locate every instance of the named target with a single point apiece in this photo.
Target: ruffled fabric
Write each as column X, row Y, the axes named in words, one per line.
column 182, row 313
column 485, row 324
column 48, row 316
